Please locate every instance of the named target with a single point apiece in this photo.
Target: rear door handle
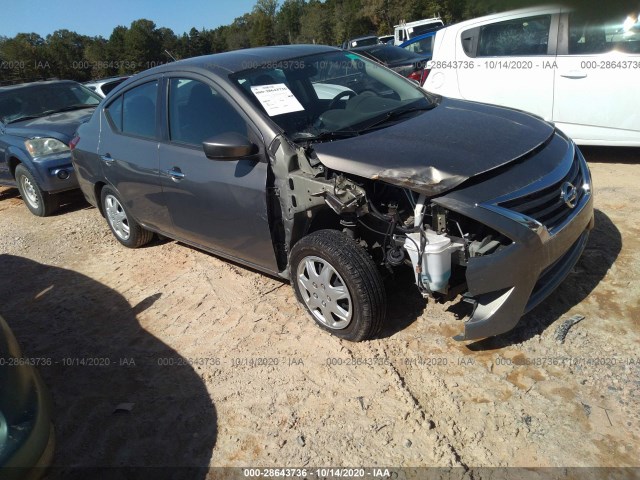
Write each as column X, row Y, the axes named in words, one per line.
column 107, row 159
column 574, row 74
column 175, row 173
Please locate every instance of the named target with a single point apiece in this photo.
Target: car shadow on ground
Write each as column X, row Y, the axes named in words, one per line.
column 603, row 247
column 122, row 398
column 8, row 192
column 72, row 201
column 405, row 304
column 611, row 154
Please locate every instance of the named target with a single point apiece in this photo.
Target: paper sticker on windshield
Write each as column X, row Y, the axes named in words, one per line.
column 277, row 99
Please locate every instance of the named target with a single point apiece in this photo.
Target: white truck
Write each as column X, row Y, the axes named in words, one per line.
column 406, row 31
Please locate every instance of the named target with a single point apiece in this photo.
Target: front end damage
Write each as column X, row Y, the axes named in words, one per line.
column 498, row 260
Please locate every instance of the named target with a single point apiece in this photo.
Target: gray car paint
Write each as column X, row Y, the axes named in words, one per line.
column 439, row 149
column 467, row 153
column 211, row 189
column 515, row 270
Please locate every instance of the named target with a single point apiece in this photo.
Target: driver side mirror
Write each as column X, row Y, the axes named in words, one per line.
column 229, row 146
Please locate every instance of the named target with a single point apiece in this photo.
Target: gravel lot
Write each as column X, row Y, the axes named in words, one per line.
column 218, row 365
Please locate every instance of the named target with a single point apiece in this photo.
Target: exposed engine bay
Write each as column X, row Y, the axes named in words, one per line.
column 397, row 226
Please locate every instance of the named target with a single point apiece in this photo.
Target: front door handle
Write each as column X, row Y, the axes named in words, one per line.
column 574, row 74
column 107, row 159
column 175, row 174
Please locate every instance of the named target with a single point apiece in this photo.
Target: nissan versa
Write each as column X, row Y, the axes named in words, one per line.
column 235, row 153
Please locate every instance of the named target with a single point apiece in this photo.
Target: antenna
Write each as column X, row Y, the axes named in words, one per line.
column 171, row 56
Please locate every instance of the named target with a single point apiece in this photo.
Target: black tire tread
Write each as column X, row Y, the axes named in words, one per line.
column 49, row 203
column 344, row 253
column 139, row 236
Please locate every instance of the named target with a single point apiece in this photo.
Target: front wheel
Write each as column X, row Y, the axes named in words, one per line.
column 126, row 230
column 339, row 284
column 41, row 204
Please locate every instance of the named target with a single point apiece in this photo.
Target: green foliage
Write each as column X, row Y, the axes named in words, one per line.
column 142, row 45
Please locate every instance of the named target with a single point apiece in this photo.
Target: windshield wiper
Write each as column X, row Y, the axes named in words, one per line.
column 26, row 117
column 77, row 106
column 335, row 135
column 393, row 114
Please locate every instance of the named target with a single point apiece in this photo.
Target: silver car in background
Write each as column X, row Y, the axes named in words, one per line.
column 104, row 86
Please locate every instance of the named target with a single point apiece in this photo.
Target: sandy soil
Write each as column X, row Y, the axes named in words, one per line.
column 223, row 368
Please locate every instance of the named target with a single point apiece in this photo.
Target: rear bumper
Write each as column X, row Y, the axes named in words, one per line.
column 507, row 284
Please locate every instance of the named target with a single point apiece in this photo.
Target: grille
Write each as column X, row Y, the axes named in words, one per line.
column 546, row 205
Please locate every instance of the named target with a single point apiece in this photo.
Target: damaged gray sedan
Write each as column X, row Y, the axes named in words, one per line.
column 244, row 154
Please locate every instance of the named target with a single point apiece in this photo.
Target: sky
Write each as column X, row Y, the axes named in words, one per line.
column 99, row 17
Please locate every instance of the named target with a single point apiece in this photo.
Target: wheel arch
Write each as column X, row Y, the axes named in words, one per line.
column 13, row 164
column 97, row 191
column 322, row 218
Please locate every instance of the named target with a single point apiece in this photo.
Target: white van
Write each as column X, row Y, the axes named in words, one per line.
column 580, row 70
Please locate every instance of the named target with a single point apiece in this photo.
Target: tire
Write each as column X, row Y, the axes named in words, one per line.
column 41, row 204
column 327, row 262
column 123, row 226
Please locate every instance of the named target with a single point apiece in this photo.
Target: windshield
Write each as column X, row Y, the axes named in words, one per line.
column 40, row 100
column 336, row 92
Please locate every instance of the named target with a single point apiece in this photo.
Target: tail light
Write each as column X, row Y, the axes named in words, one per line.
column 419, row 76
column 74, row 142
column 416, row 76
column 425, row 74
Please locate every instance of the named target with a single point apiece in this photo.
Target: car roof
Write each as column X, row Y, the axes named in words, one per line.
column 31, row 84
column 238, row 60
column 106, row 79
column 537, row 10
column 362, row 37
column 424, row 21
column 379, row 46
column 368, row 47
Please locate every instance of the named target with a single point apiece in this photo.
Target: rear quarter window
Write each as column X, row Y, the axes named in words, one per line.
column 114, row 113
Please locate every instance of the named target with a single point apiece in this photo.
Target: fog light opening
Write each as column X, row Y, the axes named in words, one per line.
column 62, row 174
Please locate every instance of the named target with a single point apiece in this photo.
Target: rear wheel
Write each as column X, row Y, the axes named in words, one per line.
column 126, row 230
column 339, row 285
column 38, row 202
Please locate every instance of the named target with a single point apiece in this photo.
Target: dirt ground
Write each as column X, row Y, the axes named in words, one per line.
column 170, row 356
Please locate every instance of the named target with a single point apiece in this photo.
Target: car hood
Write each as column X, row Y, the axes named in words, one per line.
column 57, row 125
column 440, row 148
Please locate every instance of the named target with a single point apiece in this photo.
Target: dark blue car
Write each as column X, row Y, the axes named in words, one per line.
column 37, row 122
column 421, row 44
